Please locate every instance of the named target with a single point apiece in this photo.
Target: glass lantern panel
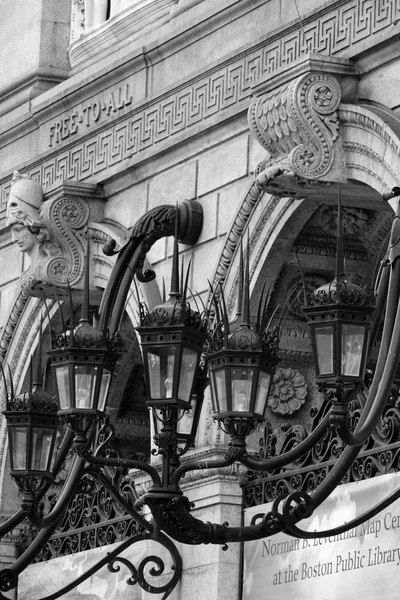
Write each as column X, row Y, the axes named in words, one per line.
column 219, row 389
column 242, row 380
column 188, row 369
column 185, row 419
column 19, row 449
column 54, row 454
column 85, row 383
column 161, row 372
column 104, row 386
column 262, row 392
column 352, row 349
column 324, row 347
column 64, row 390
column 40, row 450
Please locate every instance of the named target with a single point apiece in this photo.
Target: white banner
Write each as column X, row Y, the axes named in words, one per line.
column 361, row 563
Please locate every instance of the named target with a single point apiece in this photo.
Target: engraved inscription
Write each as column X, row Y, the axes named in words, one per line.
column 90, row 114
column 330, row 32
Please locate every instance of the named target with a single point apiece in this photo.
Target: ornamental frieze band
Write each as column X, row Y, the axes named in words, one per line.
column 331, row 31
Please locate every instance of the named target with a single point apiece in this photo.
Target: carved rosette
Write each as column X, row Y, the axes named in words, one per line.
column 298, row 125
column 66, row 219
column 289, row 391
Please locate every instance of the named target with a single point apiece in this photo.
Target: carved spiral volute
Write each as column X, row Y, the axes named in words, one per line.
column 66, row 219
column 299, row 122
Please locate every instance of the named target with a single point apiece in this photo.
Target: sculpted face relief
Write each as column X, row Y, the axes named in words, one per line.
column 23, row 237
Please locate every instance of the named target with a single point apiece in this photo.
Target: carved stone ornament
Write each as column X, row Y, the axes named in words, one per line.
column 51, row 232
column 298, row 125
column 289, row 390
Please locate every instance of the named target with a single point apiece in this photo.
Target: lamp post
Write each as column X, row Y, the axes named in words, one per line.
column 240, row 356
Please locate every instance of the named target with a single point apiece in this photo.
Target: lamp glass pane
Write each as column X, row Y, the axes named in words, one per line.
column 85, row 380
column 324, row 346
column 54, row 453
column 185, row 421
column 19, row 450
column 352, row 349
column 105, row 384
column 262, row 392
column 161, row 372
column 219, row 388
column 40, row 451
column 64, row 390
column 242, row 380
column 188, row 369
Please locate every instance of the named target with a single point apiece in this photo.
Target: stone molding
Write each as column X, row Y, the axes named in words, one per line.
column 87, row 42
column 372, row 147
column 217, row 94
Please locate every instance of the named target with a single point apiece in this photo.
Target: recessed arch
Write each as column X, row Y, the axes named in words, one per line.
column 370, row 143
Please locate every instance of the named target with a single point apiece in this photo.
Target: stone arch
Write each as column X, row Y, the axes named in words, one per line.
column 370, row 147
column 275, row 222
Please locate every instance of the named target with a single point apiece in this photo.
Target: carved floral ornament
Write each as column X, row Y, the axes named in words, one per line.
column 289, row 390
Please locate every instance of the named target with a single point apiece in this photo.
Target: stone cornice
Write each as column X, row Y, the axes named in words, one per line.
column 124, row 131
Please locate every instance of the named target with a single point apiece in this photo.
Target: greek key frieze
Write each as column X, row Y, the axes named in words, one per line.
column 125, row 130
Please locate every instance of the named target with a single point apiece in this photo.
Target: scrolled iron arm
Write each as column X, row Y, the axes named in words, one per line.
column 112, row 557
column 121, row 463
column 174, row 517
column 257, row 464
column 154, row 225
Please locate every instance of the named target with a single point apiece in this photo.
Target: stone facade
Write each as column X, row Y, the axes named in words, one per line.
column 137, row 104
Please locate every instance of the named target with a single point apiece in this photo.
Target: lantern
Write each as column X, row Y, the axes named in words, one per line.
column 339, row 318
column 83, row 364
column 33, row 429
column 171, row 357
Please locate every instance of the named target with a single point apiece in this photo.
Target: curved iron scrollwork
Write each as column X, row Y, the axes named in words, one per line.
column 139, row 574
column 380, row 454
column 95, row 519
column 92, row 520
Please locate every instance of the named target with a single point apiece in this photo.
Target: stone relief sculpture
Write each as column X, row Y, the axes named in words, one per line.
column 50, row 232
column 289, row 391
column 298, row 124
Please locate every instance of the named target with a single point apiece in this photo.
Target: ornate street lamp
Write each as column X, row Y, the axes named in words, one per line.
column 33, row 430
column 241, row 357
column 83, row 359
column 339, row 318
column 241, row 362
column 172, row 337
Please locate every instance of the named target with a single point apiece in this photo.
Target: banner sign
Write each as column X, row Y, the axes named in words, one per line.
column 363, row 561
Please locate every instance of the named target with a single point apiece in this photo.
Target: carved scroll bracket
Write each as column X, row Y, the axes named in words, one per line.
column 65, row 215
column 296, row 120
